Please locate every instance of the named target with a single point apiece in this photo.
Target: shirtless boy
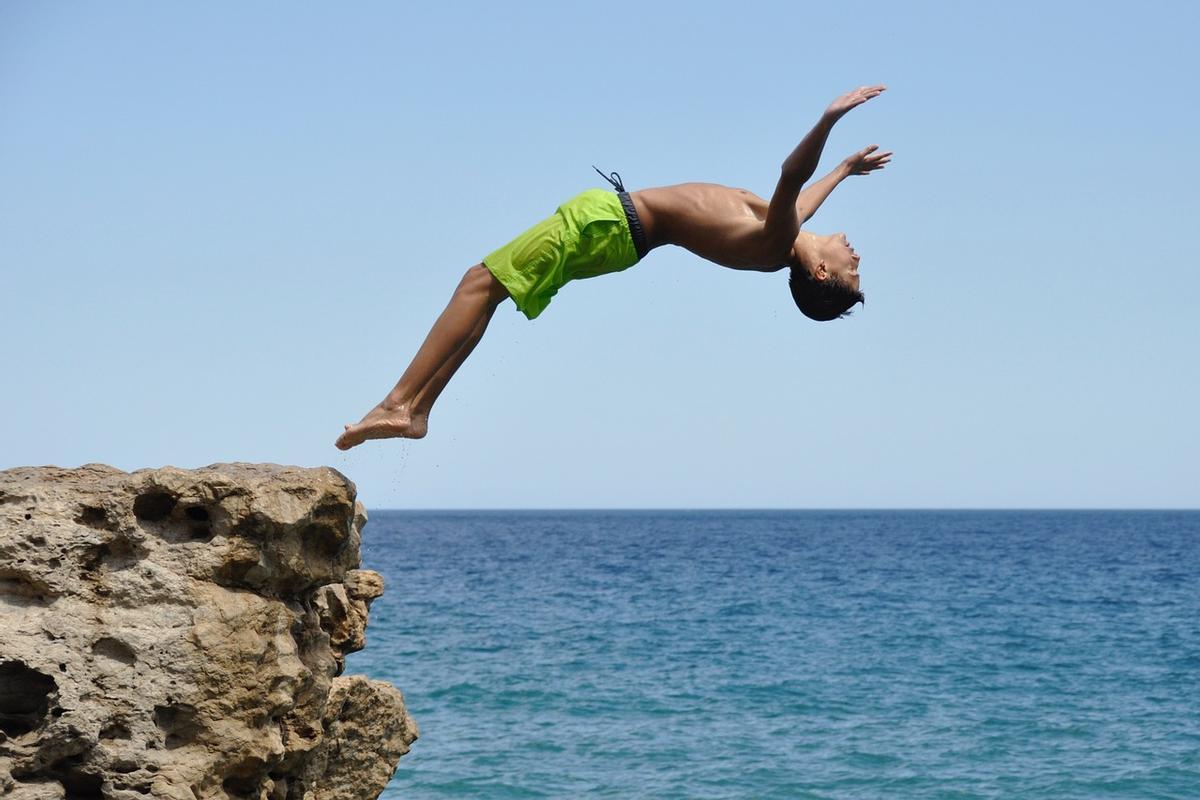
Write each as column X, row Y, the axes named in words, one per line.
column 599, row 232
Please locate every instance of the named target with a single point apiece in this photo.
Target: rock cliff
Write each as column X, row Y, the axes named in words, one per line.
column 179, row 634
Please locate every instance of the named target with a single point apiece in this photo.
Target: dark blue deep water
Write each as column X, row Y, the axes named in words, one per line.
column 791, row 654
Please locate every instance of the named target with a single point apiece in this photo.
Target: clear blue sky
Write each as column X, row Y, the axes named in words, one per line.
column 225, row 227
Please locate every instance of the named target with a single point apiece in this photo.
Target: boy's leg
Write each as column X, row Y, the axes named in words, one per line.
column 405, row 410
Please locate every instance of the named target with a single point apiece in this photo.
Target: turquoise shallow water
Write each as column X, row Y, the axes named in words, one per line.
column 791, row 654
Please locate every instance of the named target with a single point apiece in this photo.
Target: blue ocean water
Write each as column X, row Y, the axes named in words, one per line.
column 791, row 654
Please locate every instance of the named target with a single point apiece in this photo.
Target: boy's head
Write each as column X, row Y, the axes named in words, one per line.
column 824, row 276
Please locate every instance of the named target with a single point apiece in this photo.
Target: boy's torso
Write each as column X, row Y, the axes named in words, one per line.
column 718, row 223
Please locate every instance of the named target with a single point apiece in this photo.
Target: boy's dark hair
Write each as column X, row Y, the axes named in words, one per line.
column 822, row 300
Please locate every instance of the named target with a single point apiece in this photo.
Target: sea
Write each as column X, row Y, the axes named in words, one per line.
column 791, row 654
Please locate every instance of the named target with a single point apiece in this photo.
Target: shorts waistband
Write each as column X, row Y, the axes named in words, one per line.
column 635, row 225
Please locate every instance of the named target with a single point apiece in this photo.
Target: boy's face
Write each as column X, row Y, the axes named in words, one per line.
column 834, row 257
column 839, row 259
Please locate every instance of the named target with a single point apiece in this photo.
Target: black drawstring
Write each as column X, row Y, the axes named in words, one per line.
column 615, row 179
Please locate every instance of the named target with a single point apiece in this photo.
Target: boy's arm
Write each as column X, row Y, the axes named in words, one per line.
column 863, row 162
column 783, row 223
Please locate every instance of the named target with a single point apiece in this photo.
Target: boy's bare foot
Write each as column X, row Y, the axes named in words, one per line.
column 381, row 423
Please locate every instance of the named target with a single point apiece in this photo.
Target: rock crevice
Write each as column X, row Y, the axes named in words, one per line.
column 182, row 633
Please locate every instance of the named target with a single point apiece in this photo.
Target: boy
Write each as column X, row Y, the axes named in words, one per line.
column 598, row 232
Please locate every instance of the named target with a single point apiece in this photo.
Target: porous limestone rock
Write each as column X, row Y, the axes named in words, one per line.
column 180, row 634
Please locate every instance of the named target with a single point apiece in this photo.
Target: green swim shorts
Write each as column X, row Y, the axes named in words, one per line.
column 588, row 235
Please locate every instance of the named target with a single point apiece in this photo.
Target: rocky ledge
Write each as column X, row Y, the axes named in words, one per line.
column 178, row 634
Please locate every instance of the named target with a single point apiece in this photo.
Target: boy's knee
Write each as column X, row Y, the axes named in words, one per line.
column 496, row 292
column 479, row 279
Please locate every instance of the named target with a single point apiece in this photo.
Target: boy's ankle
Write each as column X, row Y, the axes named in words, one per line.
column 394, row 406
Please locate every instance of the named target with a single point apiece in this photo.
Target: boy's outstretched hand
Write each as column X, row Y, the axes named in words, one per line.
column 866, row 160
column 838, row 108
